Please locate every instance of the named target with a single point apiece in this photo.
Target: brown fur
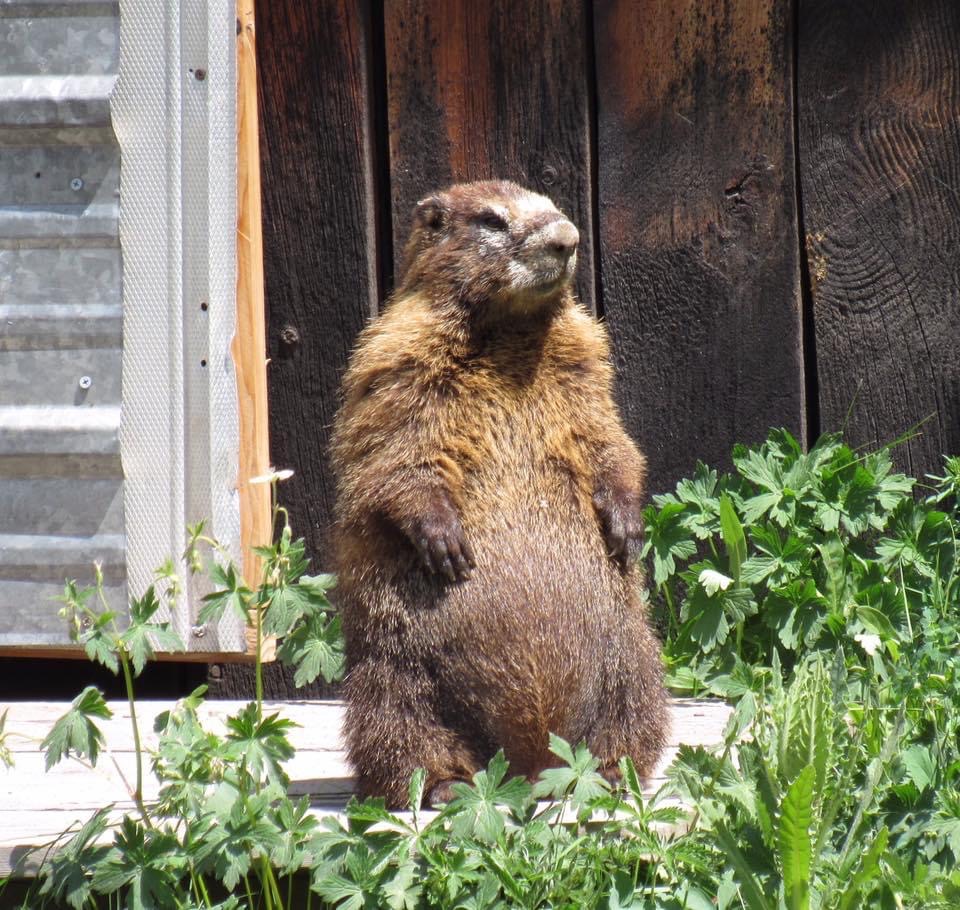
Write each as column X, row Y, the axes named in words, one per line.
column 488, row 512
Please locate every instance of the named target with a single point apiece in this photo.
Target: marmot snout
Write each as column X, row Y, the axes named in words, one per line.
column 488, row 512
column 547, row 258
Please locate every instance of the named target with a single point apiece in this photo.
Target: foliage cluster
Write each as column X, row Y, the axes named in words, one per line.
column 816, row 591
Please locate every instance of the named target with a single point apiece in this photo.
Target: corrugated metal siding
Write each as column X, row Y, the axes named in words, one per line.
column 61, row 484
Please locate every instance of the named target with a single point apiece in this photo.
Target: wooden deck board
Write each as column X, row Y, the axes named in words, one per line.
column 37, row 805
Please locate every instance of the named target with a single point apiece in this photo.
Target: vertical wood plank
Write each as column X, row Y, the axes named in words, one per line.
column 249, row 343
column 879, row 104
column 476, row 91
column 319, row 249
column 698, row 232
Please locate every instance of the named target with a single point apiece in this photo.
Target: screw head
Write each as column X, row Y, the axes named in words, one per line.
column 200, row 74
column 85, row 382
column 76, row 184
column 198, row 631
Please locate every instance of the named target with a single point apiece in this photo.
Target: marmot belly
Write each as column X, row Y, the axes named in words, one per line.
column 522, row 645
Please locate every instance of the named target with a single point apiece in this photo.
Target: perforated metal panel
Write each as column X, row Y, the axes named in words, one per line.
column 117, row 390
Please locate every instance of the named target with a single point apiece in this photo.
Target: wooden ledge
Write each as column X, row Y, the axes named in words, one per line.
column 36, row 806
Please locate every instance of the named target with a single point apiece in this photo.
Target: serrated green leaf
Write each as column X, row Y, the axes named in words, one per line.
column 734, row 540
column 143, row 608
column 261, row 741
column 919, row 766
column 287, row 604
column 510, row 885
column 699, row 495
column 562, row 749
column 631, row 779
column 69, row 874
column 75, row 731
column 100, row 643
column 808, row 724
column 401, row 890
column 760, row 468
column 144, row 863
column 762, row 504
column 315, row 648
column 757, row 568
column 875, row 621
column 318, row 585
column 142, row 635
column 233, row 595
column 475, row 812
column 796, row 817
column 667, row 539
column 796, row 613
column 579, row 779
column 343, row 893
column 709, row 628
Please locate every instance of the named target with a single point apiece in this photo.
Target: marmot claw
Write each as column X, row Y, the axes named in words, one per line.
column 440, row 542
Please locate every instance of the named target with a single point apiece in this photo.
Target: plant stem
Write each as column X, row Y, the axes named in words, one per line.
column 199, row 893
column 265, row 876
column 906, row 605
column 713, row 549
column 259, row 663
column 262, row 607
column 671, row 609
column 271, row 885
column 137, row 747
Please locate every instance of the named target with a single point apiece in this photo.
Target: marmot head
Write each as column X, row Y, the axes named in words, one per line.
column 490, row 242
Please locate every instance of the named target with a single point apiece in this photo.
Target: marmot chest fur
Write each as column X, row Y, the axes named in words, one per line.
column 488, row 512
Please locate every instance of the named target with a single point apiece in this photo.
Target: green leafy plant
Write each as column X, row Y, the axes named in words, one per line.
column 815, row 590
column 793, row 553
column 818, row 809
column 223, row 818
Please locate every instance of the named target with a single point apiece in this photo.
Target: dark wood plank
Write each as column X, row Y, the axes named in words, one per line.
column 698, row 233
column 319, row 247
column 879, row 104
column 478, row 91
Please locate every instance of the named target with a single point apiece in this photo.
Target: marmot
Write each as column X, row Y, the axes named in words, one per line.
column 488, row 513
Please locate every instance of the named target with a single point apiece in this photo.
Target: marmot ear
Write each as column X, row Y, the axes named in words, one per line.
column 430, row 213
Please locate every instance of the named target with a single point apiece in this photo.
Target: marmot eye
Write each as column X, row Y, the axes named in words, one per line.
column 493, row 221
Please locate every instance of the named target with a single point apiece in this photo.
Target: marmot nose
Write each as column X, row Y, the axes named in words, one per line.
column 562, row 238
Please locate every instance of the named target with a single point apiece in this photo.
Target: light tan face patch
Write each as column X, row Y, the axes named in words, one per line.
column 530, row 204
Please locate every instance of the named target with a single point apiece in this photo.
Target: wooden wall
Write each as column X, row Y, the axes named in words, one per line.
column 768, row 193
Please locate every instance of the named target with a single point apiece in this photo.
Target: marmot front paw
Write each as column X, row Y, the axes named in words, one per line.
column 619, row 513
column 439, row 540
